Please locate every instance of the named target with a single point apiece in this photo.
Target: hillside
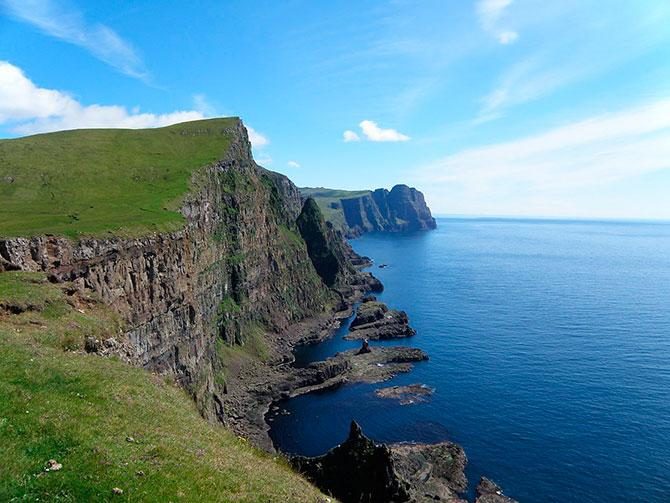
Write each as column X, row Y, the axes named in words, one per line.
column 104, row 181
column 353, row 213
column 108, row 424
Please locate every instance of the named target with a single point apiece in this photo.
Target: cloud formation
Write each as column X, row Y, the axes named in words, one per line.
column 257, row 139
column 30, row 109
column 293, row 164
column 349, row 135
column 70, row 26
column 374, row 133
column 589, row 153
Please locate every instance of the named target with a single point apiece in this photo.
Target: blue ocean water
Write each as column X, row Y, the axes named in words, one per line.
column 549, row 346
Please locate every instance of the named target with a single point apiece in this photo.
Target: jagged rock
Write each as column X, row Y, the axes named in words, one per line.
column 406, row 395
column 374, row 320
column 325, row 248
column 489, row 492
column 361, row 470
column 365, row 348
column 401, row 209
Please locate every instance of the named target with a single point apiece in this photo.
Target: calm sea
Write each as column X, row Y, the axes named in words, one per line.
column 549, row 346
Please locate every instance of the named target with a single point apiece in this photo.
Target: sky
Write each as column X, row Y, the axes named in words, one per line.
column 490, row 107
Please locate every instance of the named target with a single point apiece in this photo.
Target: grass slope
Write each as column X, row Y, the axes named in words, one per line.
column 99, row 181
column 326, row 197
column 57, row 402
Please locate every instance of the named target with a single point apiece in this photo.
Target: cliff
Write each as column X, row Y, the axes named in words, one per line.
column 401, row 209
column 235, row 269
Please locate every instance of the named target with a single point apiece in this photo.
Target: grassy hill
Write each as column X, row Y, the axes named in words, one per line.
column 100, row 181
column 109, row 425
column 327, row 198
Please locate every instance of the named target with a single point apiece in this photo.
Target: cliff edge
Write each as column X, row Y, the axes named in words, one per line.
column 402, row 209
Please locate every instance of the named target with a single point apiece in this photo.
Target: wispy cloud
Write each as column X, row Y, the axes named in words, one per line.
column 561, row 57
column 29, row 109
column 70, row 26
column 588, row 153
column 490, row 14
column 293, row 164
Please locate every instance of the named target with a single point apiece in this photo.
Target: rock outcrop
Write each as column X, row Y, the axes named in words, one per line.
column 237, row 270
column 361, row 470
column 375, row 365
column 399, row 210
column 489, row 492
column 375, row 321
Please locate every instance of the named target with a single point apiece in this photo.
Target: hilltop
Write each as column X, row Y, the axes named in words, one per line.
column 97, row 182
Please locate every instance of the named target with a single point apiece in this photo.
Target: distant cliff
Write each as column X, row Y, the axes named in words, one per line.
column 399, row 210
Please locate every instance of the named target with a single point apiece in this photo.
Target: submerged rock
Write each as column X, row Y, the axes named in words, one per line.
column 361, row 470
column 406, row 395
column 374, row 320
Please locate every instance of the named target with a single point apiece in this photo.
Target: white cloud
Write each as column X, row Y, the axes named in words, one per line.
column 508, row 37
column 293, row 164
column 70, row 26
column 490, row 12
column 265, row 160
column 257, row 139
column 30, row 109
column 349, row 135
column 591, row 152
column 374, row 133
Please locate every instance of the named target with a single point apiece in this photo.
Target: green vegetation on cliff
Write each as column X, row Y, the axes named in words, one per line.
column 329, row 202
column 99, row 181
column 108, row 424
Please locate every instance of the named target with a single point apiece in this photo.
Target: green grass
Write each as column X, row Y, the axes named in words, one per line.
column 80, row 409
column 101, row 181
column 325, row 197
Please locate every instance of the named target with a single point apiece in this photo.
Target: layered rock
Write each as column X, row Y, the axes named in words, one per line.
column 361, row 470
column 399, row 210
column 375, row 365
column 238, row 268
column 374, row 320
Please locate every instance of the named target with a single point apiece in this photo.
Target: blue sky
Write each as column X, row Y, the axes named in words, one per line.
column 491, row 107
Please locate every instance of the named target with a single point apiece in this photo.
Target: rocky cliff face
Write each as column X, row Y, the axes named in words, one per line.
column 400, row 209
column 238, row 268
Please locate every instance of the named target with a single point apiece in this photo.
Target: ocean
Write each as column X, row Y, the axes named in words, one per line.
column 549, row 345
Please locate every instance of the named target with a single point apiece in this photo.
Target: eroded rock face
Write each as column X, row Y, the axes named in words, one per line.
column 238, row 267
column 401, row 209
column 359, row 470
column 374, row 320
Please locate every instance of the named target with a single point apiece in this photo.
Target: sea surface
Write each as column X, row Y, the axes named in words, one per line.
column 549, row 346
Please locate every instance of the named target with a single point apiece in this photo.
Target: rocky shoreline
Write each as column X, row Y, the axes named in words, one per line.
column 411, row 472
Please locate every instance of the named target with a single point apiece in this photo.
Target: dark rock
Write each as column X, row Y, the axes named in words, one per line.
column 489, row 492
column 91, row 344
column 377, row 365
column 365, row 347
column 369, row 298
column 374, row 320
column 361, row 470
